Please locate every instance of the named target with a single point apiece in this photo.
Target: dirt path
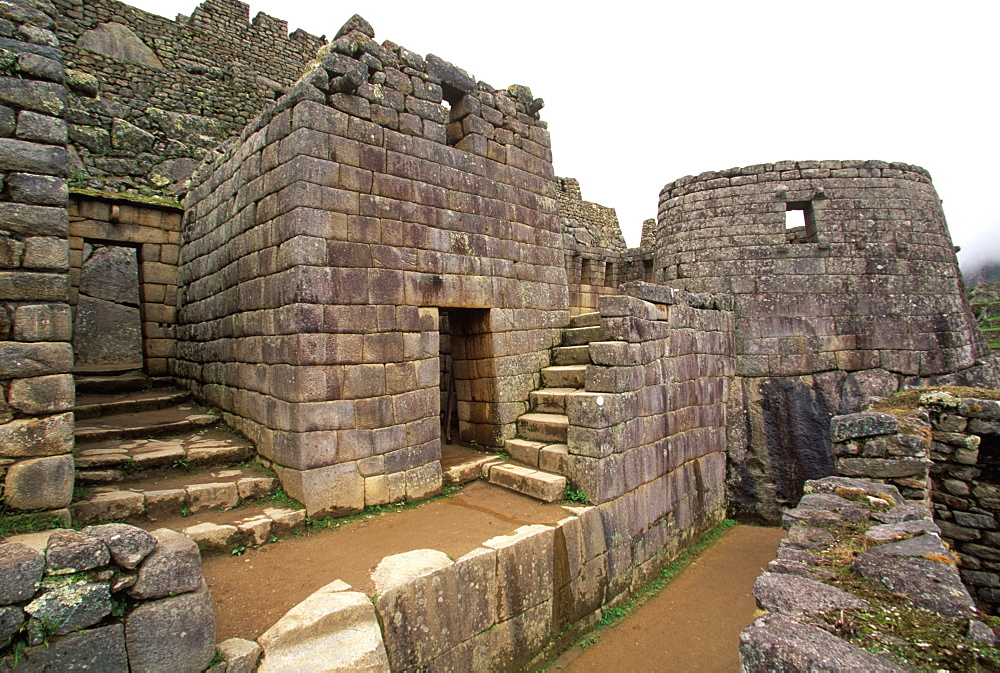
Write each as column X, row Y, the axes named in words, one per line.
column 253, row 591
column 695, row 622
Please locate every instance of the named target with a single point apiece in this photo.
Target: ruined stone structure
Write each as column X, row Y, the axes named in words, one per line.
column 378, row 224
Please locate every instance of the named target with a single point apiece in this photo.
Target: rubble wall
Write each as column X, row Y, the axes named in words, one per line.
column 36, row 387
column 149, row 97
column 863, row 300
column 317, row 251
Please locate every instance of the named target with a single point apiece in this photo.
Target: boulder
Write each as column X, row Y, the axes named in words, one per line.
column 11, row 619
column 120, row 43
column 173, row 567
column 21, row 568
column 794, row 595
column 128, row 545
column 100, row 649
column 240, row 655
column 864, row 424
column 65, row 607
column 779, row 643
column 172, row 635
column 332, row 630
column 70, row 551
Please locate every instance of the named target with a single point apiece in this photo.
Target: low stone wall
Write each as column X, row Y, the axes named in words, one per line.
column 110, row 597
column 947, row 452
column 863, row 581
column 495, row 608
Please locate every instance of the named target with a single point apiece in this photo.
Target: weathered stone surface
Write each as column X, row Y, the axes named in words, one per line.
column 855, row 489
column 67, row 607
column 336, row 490
column 524, row 568
column 212, row 537
column 891, row 532
column 48, row 436
column 21, row 569
column 794, row 595
column 332, row 630
column 981, row 633
column 119, row 42
column 71, row 551
column 100, row 649
column 285, row 521
column 881, row 468
column 866, row 424
column 240, row 655
column 42, row 190
column 808, row 537
column 127, row 137
column 398, row 569
column 924, row 570
column 21, row 155
column 907, row 512
column 107, row 507
column 11, row 619
column 128, row 545
column 106, row 333
column 172, row 634
column 173, row 567
column 810, row 517
column 40, row 483
column 780, row 643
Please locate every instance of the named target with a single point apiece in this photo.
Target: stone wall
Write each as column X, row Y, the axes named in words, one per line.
column 150, row 97
column 110, row 597
column 318, row 249
column 865, row 299
column 36, row 387
column 144, row 294
column 947, row 452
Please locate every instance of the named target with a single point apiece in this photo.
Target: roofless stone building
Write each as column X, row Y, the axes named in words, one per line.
column 372, row 254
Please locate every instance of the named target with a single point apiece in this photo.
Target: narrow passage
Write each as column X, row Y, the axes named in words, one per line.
column 695, row 622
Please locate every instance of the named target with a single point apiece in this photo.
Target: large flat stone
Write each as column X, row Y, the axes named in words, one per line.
column 21, row 569
column 172, row 635
column 173, row 567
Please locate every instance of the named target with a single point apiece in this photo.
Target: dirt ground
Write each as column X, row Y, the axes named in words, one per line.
column 251, row 592
column 695, row 622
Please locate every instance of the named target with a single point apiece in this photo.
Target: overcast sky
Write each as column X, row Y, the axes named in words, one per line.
column 640, row 93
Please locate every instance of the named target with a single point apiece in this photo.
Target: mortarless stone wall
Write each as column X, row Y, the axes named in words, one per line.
column 150, row 97
column 36, row 387
column 318, row 250
column 863, row 300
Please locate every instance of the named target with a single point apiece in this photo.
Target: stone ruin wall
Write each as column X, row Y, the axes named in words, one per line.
column 318, row 250
column 36, row 387
column 150, row 97
column 864, row 301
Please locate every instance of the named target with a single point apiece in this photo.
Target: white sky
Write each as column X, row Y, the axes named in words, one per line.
column 640, row 93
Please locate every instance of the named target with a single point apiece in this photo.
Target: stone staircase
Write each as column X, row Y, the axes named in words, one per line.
column 537, row 464
column 146, row 454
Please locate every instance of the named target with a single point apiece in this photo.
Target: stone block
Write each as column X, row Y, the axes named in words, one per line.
column 49, row 436
column 336, row 490
column 333, row 629
column 255, row 530
column 39, row 483
column 44, row 395
column 424, row 481
column 285, row 521
column 70, row 551
column 239, row 655
column 21, row 569
column 40, row 190
column 101, row 649
column 30, row 157
column 173, row 567
column 211, row 537
column 524, row 569
column 869, row 424
column 172, row 634
column 44, row 322
column 128, row 545
column 165, row 503
column 376, row 490
column 23, row 360
column 107, row 507
column 64, row 608
column 202, row 497
column 255, row 488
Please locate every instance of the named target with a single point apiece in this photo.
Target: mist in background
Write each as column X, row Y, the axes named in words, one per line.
column 639, row 95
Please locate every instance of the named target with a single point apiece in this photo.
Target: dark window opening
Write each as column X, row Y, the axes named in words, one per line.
column 989, row 458
column 609, row 274
column 800, row 222
column 586, row 271
column 647, row 270
column 453, row 99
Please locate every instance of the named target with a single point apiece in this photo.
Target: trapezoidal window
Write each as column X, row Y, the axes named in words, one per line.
column 453, row 98
column 800, row 222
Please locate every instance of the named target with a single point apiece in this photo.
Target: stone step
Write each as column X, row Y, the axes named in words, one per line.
column 564, row 376
column 106, row 370
column 95, row 405
column 548, row 457
column 246, row 532
column 174, row 496
column 170, row 421
column 529, row 481
column 585, row 319
column 462, row 465
column 549, row 428
column 576, row 336
column 116, row 460
column 571, row 355
column 550, row 400
column 123, row 383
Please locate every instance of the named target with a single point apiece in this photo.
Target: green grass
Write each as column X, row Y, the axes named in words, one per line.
column 19, row 523
column 125, row 196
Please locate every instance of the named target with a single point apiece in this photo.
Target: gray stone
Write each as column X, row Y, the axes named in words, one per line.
column 985, row 409
column 855, row 489
column 924, row 570
column 23, row 218
column 70, row 551
column 793, row 595
column 40, row 67
column 127, row 137
column 43, row 190
column 51, row 435
column 40, row 483
column 810, row 517
column 891, row 532
column 100, row 650
column 240, row 655
column 119, row 42
column 21, row 569
column 970, row 520
column 65, row 607
column 111, row 272
column 981, row 633
column 780, row 643
column 45, row 97
column 82, row 82
column 95, row 139
column 11, row 620
column 866, row 424
column 41, row 128
column 172, row 635
column 106, row 333
column 129, row 545
column 356, row 22
column 901, row 513
column 808, row 537
column 174, row 567
column 450, row 75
